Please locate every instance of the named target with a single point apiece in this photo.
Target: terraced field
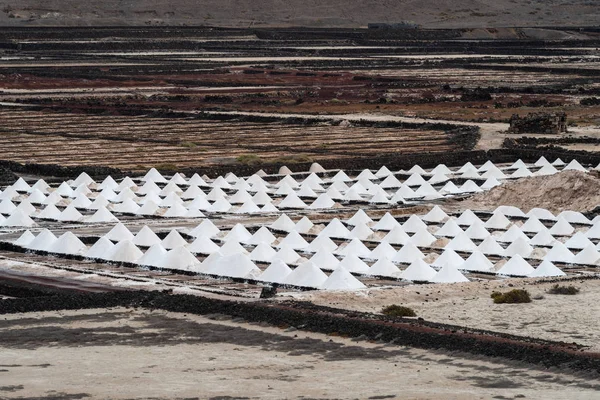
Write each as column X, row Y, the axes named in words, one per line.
column 133, row 142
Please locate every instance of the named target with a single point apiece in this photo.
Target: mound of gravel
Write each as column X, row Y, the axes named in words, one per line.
column 568, row 190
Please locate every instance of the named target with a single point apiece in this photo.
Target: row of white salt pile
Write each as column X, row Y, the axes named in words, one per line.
column 169, row 201
column 324, row 249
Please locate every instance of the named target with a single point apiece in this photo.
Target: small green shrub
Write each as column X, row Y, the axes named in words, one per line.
column 512, row 297
column 398, row 311
column 567, row 290
column 189, row 145
column 249, row 159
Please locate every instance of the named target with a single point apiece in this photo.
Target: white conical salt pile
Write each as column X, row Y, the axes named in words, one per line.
column 203, row 245
column 192, row 192
column 324, row 259
column 396, row 236
column 288, row 180
column 497, row 221
column 124, row 251
column 533, row 225
column 578, row 241
column 360, row 217
column 36, row 197
column 154, row 176
column 512, row 234
column 361, row 231
column 7, row 206
column 341, row 279
column 173, row 239
column 21, row 186
column 574, row 165
column 316, row 168
column 240, row 197
column 546, row 269
column 306, row 191
column 65, row 190
column 470, row 187
column 546, row 170
column 41, row 185
column 193, row 213
column 418, row 271
column 10, row 193
column 427, row 191
column 405, row 192
column 413, row 224
column 516, row 266
column 154, row 256
column 81, row 201
column 102, row 215
column 261, row 198
column 180, row 258
column 306, row 274
column 354, row 264
column 170, row 200
column 486, row 167
column 43, row 241
column 450, row 188
column 593, row 232
column 383, row 172
column 494, row 173
column 324, row 201
column 467, row 218
column 441, row 168
column 408, row 253
column 119, row 233
column 18, row 218
column 559, row 253
column 477, row 231
column 248, row 208
column 541, row 162
column 238, row 233
column 477, row 261
column 449, row 274
column 83, row 179
column 68, row 243
column 24, row 240
column 50, row 212
column 276, row 272
column 146, row 237
column 147, row 188
column 287, row 255
column 128, row 206
column 519, row 246
column 335, row 229
column 321, row 242
column 216, row 194
column 541, row 213
column 283, row 223
column 232, row 247
column 390, row 182
column 262, row 235
column 461, row 242
column 387, row 223
column 588, row 256
column 354, row 247
column 107, row 193
column 263, row 252
column 206, row 228
column 574, row 217
column 235, row 266
column 518, row 164
column 436, row 214
column 26, row 207
column 422, row 238
column 448, row 257
column 490, row 183
column 366, row 174
column 292, row 201
column 562, row 228
column 108, row 182
column 384, row 267
column 98, row 203
column 125, row 194
column 199, row 203
column 449, row 229
column 102, row 247
column 510, row 211
column 490, row 246
column 293, row 240
column 304, row 225
column 470, row 174
column 558, row 162
column 284, row 171
column 383, row 250
column 543, row 238
column 415, row 179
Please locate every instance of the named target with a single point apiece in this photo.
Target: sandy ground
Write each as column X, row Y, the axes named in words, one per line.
column 123, row 353
column 554, row 317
